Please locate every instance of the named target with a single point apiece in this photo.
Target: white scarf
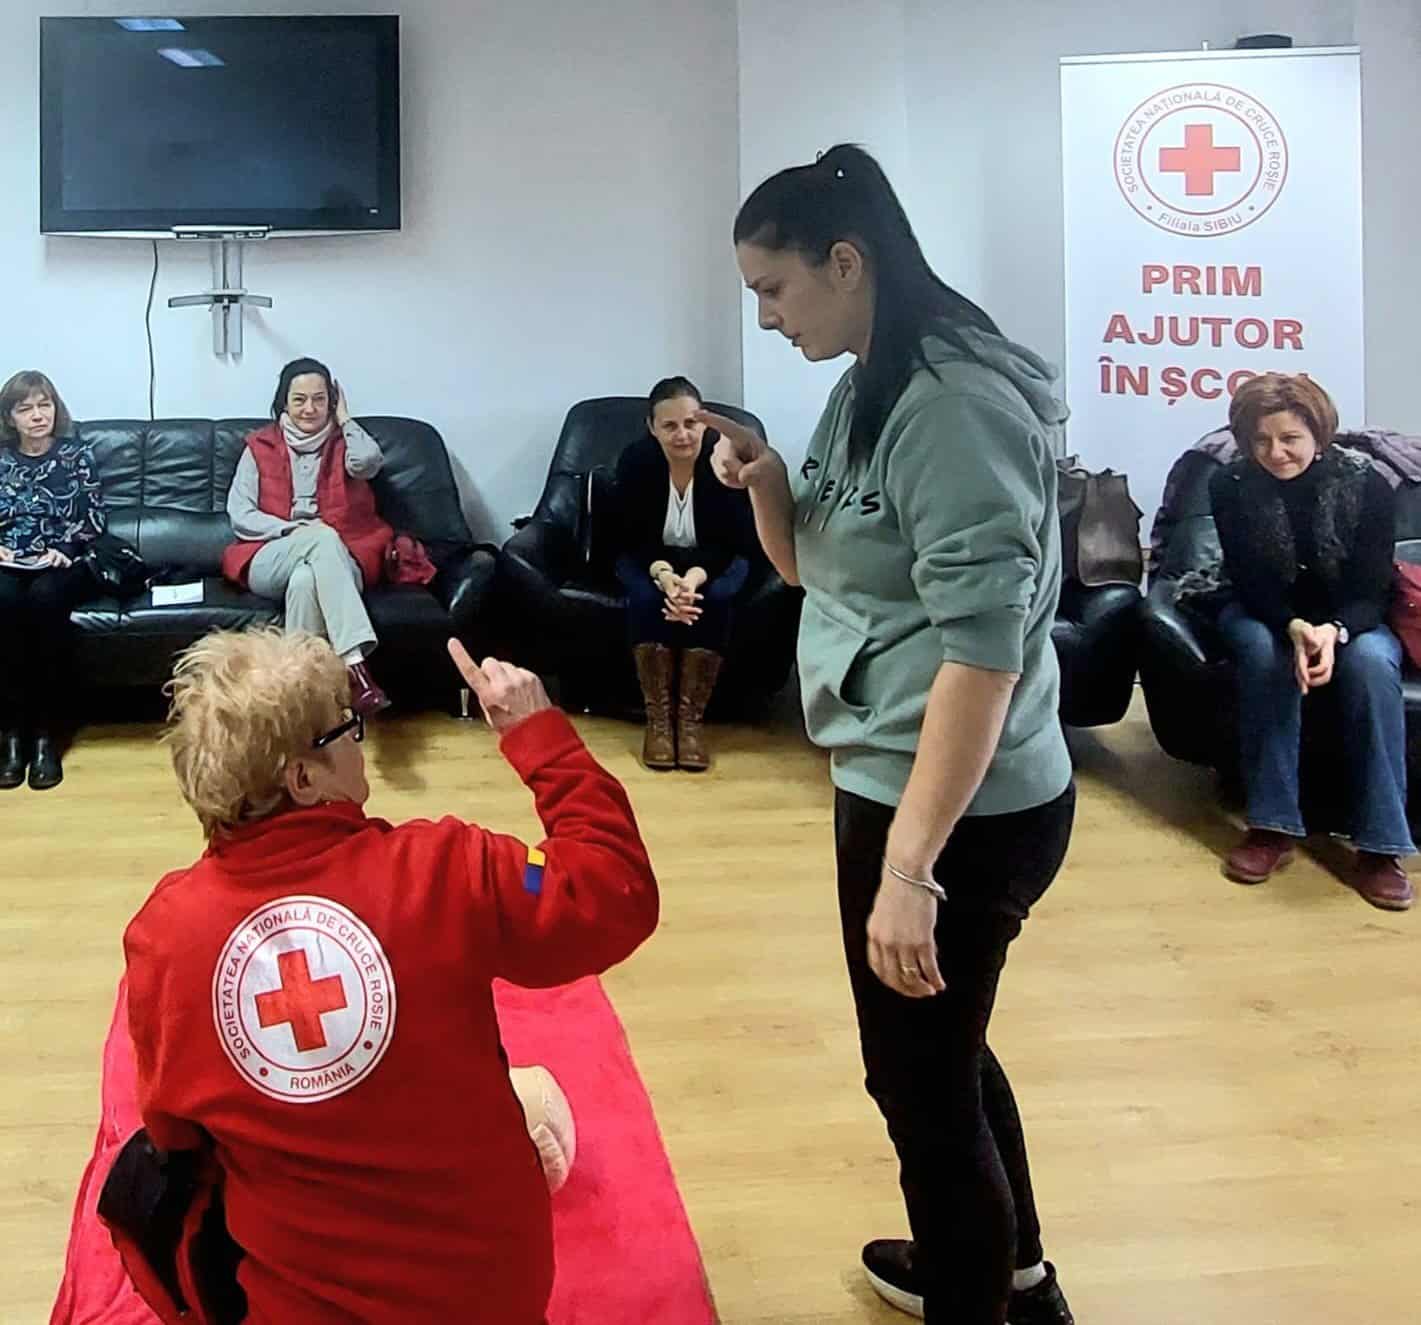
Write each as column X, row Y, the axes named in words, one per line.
column 303, row 443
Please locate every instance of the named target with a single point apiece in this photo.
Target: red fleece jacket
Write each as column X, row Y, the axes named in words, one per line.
column 313, row 996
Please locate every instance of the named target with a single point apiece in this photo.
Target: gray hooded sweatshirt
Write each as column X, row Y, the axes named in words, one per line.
column 944, row 547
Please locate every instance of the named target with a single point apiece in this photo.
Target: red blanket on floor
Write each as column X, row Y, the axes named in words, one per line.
column 625, row 1251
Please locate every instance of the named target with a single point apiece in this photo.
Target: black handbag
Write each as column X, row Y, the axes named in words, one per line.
column 118, row 571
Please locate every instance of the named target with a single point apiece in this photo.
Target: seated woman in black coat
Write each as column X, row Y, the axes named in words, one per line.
column 1307, row 532
column 686, row 544
column 51, row 510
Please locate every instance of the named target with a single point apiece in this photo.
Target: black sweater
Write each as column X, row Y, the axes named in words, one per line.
column 725, row 523
column 1272, row 532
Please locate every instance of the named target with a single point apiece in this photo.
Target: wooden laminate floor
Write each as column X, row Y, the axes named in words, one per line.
column 1222, row 1086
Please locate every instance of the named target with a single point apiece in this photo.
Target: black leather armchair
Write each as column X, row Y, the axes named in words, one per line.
column 165, row 486
column 560, row 609
column 1188, row 677
column 1095, row 633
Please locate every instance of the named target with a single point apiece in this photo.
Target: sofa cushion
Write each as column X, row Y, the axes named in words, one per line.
column 223, row 607
column 397, row 610
column 99, row 616
column 169, row 537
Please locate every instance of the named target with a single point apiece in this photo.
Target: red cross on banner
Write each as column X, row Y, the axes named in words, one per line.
column 1199, row 160
column 301, row 1001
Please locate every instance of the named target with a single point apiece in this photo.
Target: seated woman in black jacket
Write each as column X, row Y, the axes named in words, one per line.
column 685, row 549
column 1307, row 532
column 51, row 511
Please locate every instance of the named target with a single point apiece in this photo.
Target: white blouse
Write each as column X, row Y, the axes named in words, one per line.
column 680, row 530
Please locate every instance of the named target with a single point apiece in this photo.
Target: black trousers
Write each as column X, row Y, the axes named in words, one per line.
column 35, row 641
column 950, row 1110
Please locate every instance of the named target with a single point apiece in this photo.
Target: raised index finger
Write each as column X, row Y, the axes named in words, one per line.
column 736, row 432
column 468, row 668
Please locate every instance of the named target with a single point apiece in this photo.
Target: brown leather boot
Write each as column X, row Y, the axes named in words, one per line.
column 699, row 669
column 655, row 664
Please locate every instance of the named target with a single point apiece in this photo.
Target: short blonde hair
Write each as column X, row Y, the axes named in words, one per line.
column 244, row 703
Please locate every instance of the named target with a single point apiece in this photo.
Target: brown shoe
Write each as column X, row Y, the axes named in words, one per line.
column 1382, row 882
column 1260, row 853
column 699, row 669
column 655, row 664
column 366, row 698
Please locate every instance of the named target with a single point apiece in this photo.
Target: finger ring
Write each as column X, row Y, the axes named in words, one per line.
column 911, row 970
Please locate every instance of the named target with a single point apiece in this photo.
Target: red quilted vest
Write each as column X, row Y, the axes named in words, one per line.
column 346, row 504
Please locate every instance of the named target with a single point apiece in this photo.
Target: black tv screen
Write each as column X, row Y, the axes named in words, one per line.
column 156, row 124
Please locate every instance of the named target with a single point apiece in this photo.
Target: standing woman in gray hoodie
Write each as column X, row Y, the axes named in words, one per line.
column 922, row 525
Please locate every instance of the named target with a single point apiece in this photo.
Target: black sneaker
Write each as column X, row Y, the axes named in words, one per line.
column 888, row 1263
column 1043, row 1305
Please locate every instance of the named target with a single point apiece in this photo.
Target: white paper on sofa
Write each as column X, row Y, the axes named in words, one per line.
column 174, row 595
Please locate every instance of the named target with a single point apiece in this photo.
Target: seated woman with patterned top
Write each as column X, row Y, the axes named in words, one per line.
column 1307, row 535
column 686, row 548
column 51, row 509
column 303, row 511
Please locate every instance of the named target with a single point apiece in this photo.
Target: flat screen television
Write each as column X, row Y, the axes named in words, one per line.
column 155, row 125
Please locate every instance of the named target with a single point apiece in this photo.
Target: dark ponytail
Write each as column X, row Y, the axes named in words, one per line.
column 846, row 196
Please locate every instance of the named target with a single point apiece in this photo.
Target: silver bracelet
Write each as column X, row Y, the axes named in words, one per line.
column 927, row 885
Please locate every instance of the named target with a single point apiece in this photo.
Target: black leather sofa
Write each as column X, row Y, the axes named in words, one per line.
column 560, row 609
column 1188, row 678
column 165, row 487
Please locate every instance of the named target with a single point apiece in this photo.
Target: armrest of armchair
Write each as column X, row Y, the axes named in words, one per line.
column 542, row 550
column 765, row 633
column 1168, row 631
column 768, row 588
column 1187, row 681
column 1096, row 608
column 463, row 585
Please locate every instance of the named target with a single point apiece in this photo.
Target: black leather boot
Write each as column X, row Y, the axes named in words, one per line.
column 46, row 770
column 12, row 759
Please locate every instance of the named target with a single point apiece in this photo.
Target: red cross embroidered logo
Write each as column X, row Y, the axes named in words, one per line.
column 1201, row 159
column 303, row 998
column 300, row 1000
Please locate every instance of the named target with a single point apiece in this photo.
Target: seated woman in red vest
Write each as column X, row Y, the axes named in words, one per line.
column 304, row 514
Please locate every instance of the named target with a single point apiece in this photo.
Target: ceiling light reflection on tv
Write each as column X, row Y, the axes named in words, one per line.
column 150, row 24
column 190, row 59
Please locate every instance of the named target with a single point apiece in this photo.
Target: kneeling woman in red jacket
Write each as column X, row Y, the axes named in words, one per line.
column 310, row 1002
column 304, row 515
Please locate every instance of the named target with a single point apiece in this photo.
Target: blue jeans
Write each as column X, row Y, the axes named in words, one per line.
column 1367, row 674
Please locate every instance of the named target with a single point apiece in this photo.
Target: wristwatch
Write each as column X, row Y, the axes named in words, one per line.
column 1344, row 636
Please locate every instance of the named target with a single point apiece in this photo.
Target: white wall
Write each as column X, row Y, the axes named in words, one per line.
column 962, row 102
column 571, row 172
column 983, row 98
column 569, row 182
column 811, row 76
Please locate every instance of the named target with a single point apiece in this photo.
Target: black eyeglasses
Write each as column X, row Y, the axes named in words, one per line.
column 355, row 724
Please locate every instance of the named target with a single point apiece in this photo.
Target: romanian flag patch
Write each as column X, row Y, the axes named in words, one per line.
column 533, row 871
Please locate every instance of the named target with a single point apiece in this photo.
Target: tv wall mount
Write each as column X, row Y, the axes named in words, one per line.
column 229, row 296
